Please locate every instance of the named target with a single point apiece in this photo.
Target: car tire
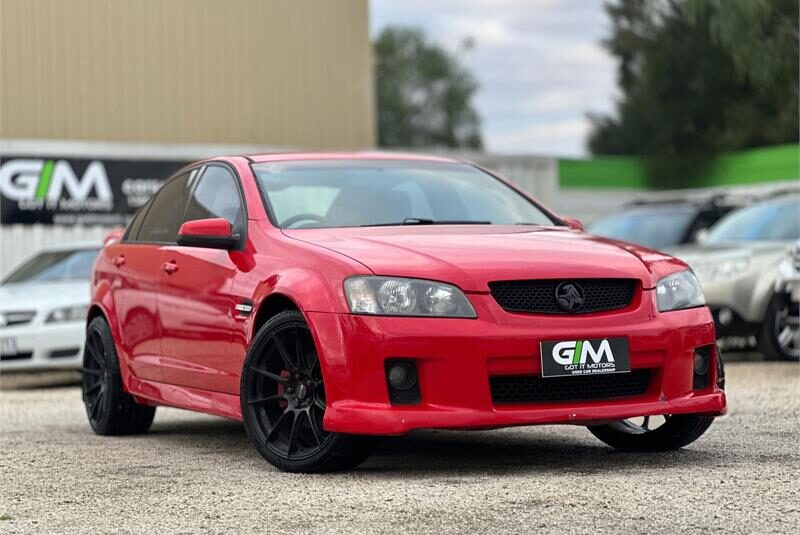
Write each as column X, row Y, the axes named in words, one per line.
column 111, row 410
column 283, row 402
column 676, row 432
column 769, row 344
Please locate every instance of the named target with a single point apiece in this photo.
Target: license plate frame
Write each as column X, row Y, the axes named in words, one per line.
column 581, row 357
column 8, row 346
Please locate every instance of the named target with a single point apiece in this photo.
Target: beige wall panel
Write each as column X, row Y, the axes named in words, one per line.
column 274, row 72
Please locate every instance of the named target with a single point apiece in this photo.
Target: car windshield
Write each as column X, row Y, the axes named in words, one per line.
column 345, row 193
column 52, row 266
column 776, row 220
column 654, row 228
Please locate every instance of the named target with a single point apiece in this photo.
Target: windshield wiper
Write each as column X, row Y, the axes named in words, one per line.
column 425, row 221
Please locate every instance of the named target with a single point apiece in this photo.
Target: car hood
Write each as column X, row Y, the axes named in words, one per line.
column 754, row 252
column 716, row 250
column 741, row 257
column 43, row 295
column 471, row 256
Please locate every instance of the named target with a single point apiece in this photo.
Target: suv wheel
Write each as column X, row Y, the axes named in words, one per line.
column 780, row 335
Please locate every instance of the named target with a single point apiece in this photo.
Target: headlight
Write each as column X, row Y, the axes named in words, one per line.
column 678, row 291
column 392, row 296
column 75, row 313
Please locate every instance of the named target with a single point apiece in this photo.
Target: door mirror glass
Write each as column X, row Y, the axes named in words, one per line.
column 212, row 233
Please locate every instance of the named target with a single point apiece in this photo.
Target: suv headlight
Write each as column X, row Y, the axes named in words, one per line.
column 679, row 291
column 73, row 313
column 394, row 296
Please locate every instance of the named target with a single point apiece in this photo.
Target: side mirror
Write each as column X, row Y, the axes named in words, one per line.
column 212, row 233
column 701, row 236
column 113, row 236
column 574, row 224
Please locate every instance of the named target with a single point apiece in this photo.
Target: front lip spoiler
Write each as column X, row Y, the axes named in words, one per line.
column 384, row 419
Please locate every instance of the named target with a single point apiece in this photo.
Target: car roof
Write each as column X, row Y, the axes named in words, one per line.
column 358, row 155
column 684, row 207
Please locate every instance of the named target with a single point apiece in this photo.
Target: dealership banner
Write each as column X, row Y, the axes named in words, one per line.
column 70, row 191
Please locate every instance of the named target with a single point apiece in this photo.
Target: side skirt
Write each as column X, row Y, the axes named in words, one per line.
column 149, row 392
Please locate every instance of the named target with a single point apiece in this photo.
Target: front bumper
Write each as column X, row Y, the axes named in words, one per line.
column 42, row 346
column 455, row 359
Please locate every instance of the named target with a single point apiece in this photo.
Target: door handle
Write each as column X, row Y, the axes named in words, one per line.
column 170, row 267
column 119, row 261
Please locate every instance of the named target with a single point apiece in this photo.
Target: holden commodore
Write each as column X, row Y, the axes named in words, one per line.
column 325, row 299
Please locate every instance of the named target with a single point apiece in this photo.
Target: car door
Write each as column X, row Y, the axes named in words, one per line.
column 137, row 268
column 195, row 305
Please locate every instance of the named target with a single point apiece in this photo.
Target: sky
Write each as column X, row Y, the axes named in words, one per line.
column 539, row 64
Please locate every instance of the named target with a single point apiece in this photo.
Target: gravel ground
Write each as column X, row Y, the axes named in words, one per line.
column 199, row 474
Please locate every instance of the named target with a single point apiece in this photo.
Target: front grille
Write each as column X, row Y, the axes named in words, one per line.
column 64, row 353
column 16, row 317
column 535, row 389
column 539, row 296
column 16, row 356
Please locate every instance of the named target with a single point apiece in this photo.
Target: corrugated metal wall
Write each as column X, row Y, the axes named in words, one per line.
column 271, row 72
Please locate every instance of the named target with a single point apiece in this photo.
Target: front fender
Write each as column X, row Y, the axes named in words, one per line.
column 310, row 290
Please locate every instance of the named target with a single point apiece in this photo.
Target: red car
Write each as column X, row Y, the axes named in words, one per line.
column 324, row 299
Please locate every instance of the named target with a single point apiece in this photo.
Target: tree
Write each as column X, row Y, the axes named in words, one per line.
column 697, row 78
column 424, row 93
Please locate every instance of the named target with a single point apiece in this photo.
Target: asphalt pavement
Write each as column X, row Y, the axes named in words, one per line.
column 199, row 474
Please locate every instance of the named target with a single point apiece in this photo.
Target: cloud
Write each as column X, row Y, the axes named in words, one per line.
column 539, row 64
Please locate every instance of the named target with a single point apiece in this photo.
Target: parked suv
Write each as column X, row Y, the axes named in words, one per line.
column 738, row 266
column 662, row 224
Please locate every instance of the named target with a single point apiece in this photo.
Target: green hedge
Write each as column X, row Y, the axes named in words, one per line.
column 768, row 164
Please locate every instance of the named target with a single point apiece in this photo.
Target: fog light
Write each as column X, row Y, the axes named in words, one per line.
column 725, row 316
column 700, row 363
column 402, row 375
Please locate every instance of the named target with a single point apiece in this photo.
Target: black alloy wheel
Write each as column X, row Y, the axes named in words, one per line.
column 110, row 410
column 653, row 433
column 95, row 377
column 283, row 401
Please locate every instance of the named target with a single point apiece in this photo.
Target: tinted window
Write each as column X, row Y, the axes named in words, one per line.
column 324, row 194
column 135, row 224
column 217, row 195
column 166, row 212
column 777, row 220
column 54, row 266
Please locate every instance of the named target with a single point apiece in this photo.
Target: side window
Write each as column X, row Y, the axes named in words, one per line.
column 217, row 195
column 133, row 227
column 166, row 212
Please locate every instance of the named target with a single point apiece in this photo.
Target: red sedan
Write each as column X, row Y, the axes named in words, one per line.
column 324, row 299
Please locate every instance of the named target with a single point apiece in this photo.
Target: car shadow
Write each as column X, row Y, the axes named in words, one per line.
column 456, row 453
column 533, row 450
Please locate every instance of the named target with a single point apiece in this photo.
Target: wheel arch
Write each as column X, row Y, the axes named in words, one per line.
column 269, row 307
